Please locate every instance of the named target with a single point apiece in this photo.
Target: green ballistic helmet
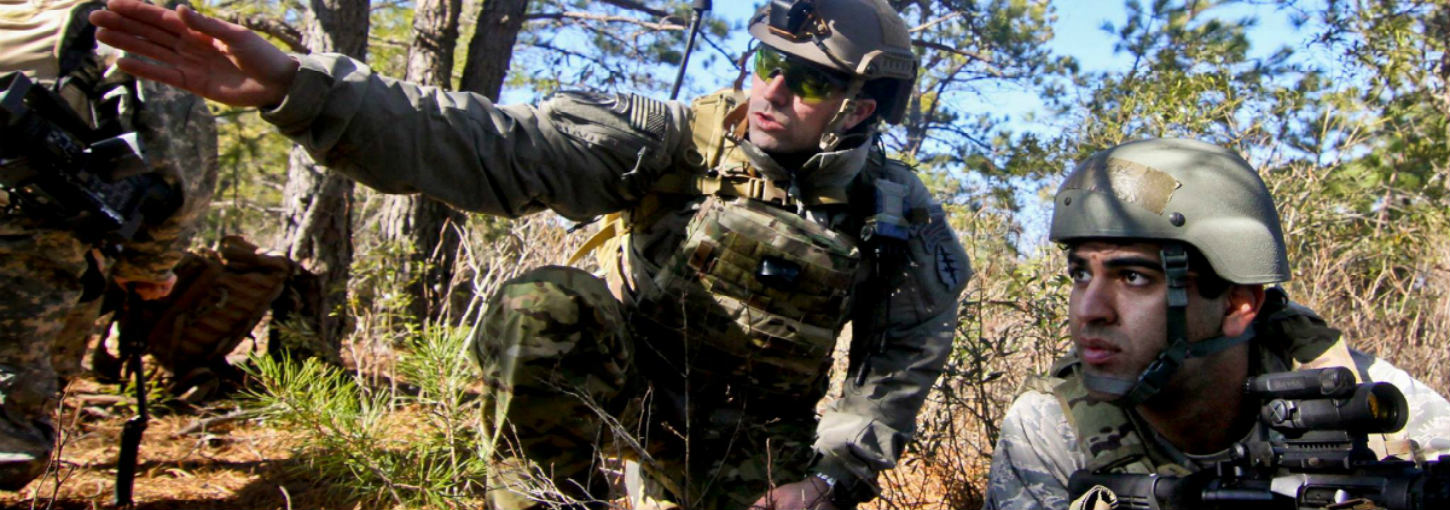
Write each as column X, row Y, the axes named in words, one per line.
column 864, row 39
column 1170, row 189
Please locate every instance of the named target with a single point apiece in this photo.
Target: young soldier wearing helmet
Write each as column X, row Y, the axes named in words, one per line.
column 742, row 232
column 1146, row 391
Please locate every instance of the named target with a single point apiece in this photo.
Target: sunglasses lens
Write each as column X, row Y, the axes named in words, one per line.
column 767, row 62
column 810, row 84
column 803, row 79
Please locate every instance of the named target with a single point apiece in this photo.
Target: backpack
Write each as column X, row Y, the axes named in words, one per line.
column 219, row 297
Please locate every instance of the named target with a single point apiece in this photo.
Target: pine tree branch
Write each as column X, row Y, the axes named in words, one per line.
column 279, row 29
column 637, row 6
column 948, row 49
column 589, row 16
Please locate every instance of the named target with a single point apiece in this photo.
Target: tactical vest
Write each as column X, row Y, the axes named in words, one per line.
column 755, row 289
column 1288, row 337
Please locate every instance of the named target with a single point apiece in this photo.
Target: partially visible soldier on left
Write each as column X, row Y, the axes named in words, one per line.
column 53, row 274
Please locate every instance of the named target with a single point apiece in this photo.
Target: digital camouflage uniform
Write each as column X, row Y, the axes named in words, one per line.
column 1038, row 448
column 42, row 268
column 1178, row 194
column 571, row 360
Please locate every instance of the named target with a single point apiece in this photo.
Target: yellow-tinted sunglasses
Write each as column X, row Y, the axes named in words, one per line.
column 806, row 80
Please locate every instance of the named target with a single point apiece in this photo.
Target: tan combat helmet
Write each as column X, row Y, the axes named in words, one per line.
column 864, row 39
column 1176, row 192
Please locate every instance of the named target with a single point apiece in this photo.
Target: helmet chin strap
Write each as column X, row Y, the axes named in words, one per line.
column 832, row 137
column 1127, row 392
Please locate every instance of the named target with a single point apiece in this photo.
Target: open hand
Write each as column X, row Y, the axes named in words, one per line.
column 215, row 59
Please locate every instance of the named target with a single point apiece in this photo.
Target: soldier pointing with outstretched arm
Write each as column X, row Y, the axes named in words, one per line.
column 743, row 231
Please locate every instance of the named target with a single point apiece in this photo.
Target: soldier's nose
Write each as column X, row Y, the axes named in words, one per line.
column 1093, row 304
column 776, row 90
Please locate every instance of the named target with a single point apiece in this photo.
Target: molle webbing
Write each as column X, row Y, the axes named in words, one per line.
column 712, row 122
column 220, row 296
column 740, row 185
column 715, row 123
column 756, row 293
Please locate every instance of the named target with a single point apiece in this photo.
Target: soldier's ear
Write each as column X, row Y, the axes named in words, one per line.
column 863, row 111
column 1241, row 306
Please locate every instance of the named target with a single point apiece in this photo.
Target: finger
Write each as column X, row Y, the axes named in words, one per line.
column 139, row 46
column 112, row 22
column 147, row 14
column 246, row 50
column 154, row 72
column 167, row 30
column 230, row 33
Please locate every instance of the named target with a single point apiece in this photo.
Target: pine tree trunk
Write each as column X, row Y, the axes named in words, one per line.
column 428, row 226
column 435, row 36
column 318, row 203
column 492, row 46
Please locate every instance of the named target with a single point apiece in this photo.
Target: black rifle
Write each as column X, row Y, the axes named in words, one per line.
column 133, row 344
column 57, row 169
column 1319, row 458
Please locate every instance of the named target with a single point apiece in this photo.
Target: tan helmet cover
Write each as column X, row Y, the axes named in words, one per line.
column 865, row 39
column 1181, row 190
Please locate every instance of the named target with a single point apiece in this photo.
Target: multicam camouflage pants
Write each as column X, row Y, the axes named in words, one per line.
column 567, row 393
column 41, row 276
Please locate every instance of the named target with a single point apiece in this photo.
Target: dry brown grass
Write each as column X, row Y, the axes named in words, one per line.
column 1382, row 278
column 230, row 465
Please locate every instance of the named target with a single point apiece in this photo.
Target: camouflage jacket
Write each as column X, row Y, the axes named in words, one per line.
column 175, row 128
column 1039, row 447
column 582, row 155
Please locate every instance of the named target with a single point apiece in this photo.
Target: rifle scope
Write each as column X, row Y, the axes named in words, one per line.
column 58, row 168
column 1328, row 399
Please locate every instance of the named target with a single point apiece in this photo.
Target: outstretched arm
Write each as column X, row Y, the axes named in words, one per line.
column 215, row 59
column 569, row 154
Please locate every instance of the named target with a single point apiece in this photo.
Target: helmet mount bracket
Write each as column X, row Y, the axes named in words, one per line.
column 795, row 20
column 832, row 136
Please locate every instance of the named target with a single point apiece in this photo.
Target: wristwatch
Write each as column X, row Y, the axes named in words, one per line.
column 830, row 480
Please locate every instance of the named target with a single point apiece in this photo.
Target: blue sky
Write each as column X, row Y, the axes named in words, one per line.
column 1078, row 33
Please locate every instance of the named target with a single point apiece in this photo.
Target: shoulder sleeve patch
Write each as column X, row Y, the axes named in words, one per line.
column 623, row 124
column 934, row 274
column 634, row 113
column 949, row 259
column 647, row 114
